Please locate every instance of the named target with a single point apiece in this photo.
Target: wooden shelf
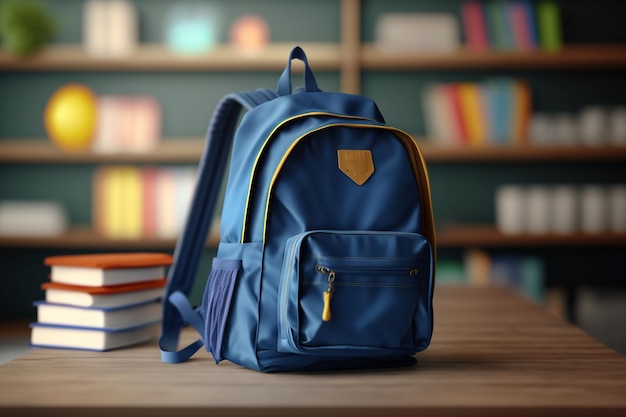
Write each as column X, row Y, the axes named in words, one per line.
column 521, row 153
column 85, row 237
column 323, row 56
column 489, row 236
column 451, row 237
column 156, row 57
column 189, row 150
column 37, row 151
column 571, row 56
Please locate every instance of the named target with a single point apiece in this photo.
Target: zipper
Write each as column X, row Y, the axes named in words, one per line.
column 332, row 276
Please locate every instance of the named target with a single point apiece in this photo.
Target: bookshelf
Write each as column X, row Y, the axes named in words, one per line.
column 356, row 62
column 188, row 150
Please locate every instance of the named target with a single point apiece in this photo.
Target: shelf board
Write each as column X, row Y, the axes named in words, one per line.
column 451, row 237
column 156, row 57
column 37, row 151
column 571, row 56
column 323, row 56
column 189, row 150
column 521, row 153
column 85, row 237
column 489, row 236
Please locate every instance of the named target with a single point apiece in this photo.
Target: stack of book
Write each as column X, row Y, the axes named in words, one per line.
column 101, row 301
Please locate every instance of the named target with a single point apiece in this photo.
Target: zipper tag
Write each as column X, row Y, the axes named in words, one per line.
column 328, row 294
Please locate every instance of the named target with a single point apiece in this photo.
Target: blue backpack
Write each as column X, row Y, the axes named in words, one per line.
column 327, row 249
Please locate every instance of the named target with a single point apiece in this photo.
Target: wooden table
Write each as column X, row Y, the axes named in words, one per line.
column 493, row 354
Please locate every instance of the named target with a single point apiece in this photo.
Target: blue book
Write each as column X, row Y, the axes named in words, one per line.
column 500, row 101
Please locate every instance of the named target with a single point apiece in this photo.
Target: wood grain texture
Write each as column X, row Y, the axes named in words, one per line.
column 493, row 354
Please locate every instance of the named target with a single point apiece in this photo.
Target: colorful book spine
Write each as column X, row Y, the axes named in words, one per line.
column 472, row 112
column 495, row 111
column 549, row 25
column 474, row 27
column 511, row 25
column 131, row 202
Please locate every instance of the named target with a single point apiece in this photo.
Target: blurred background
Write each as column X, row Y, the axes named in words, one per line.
column 520, row 108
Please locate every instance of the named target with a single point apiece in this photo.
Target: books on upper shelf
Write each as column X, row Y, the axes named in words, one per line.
column 101, row 301
column 65, row 337
column 132, row 202
column 111, row 296
column 104, row 269
column 516, row 25
column 495, row 111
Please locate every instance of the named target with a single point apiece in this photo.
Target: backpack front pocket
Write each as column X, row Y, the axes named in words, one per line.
column 353, row 293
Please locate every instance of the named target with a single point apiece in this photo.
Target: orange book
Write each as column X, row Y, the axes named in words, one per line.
column 521, row 111
column 471, row 112
column 112, row 296
column 95, row 270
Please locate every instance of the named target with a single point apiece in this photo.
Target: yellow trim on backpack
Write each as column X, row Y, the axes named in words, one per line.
column 416, row 160
column 265, row 143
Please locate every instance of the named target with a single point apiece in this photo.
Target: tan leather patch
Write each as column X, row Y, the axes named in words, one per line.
column 358, row 165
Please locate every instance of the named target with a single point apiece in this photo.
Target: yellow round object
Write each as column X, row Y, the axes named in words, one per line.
column 70, row 117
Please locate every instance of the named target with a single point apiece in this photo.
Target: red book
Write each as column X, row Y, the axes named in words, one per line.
column 521, row 27
column 474, row 26
column 452, row 91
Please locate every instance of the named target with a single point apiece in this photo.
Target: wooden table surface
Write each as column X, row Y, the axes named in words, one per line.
column 493, row 354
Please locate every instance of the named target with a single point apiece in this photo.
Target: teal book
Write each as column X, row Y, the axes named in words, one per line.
column 499, row 92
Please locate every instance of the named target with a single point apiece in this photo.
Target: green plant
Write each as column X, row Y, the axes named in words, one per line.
column 25, row 26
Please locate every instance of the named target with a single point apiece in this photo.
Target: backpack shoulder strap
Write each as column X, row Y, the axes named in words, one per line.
column 211, row 169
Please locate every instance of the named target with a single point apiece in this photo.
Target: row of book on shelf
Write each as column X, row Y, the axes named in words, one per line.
column 512, row 25
column 101, row 301
column 508, row 25
column 494, row 111
column 132, row 202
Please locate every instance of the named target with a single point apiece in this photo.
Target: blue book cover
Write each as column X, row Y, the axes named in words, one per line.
column 500, row 107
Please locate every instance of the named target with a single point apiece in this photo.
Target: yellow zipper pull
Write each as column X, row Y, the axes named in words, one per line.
column 328, row 294
column 326, row 312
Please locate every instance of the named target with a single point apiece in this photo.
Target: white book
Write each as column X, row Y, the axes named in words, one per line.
column 95, row 27
column 418, row 32
column 96, row 277
column 123, row 32
column 114, row 318
column 45, row 335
